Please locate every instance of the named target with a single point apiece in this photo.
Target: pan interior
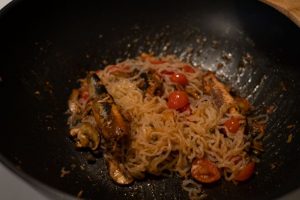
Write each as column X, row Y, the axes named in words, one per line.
column 47, row 46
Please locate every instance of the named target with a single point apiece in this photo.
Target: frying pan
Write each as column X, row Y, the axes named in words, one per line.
column 47, row 45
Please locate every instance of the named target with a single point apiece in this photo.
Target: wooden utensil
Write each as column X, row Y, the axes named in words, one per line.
column 290, row 8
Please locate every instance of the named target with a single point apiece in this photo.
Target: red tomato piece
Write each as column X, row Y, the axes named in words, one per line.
column 185, row 108
column 245, row 172
column 233, row 124
column 243, row 104
column 178, row 99
column 205, row 171
column 179, row 78
column 188, row 68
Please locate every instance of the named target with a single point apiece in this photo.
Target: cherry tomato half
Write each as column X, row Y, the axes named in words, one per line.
column 185, row 108
column 205, row 171
column 178, row 99
column 233, row 124
column 245, row 172
column 188, row 68
column 179, row 78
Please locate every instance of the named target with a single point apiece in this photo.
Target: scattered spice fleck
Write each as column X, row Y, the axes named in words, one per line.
column 64, row 172
column 290, row 137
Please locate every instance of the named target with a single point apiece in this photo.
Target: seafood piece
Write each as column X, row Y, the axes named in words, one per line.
column 96, row 87
column 109, row 119
column 217, row 90
column 85, row 136
column 151, row 83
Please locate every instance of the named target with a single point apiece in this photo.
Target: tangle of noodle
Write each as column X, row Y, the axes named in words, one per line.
column 163, row 140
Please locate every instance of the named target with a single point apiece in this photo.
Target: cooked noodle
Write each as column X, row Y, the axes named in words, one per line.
column 164, row 140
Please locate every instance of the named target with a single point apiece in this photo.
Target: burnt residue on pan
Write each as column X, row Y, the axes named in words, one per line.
column 49, row 45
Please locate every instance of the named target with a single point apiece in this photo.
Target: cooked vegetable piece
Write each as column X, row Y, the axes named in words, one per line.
column 85, row 135
column 246, row 172
column 205, row 171
column 74, row 107
column 179, row 78
column 188, row 68
column 243, row 104
column 233, row 124
column 193, row 92
column 117, row 172
column 119, row 120
column 155, row 84
column 178, row 99
column 144, row 84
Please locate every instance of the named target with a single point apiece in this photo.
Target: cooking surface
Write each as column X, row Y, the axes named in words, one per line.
column 12, row 187
column 43, row 47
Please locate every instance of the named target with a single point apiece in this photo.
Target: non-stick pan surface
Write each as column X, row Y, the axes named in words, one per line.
column 45, row 46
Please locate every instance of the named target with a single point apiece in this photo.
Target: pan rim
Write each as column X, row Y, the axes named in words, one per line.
column 41, row 187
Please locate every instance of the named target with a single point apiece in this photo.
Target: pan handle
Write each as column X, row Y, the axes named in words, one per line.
column 290, row 8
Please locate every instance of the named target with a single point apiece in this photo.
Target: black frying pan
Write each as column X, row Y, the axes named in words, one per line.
column 47, row 45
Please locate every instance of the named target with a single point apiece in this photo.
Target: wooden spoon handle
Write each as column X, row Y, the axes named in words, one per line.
column 290, row 8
